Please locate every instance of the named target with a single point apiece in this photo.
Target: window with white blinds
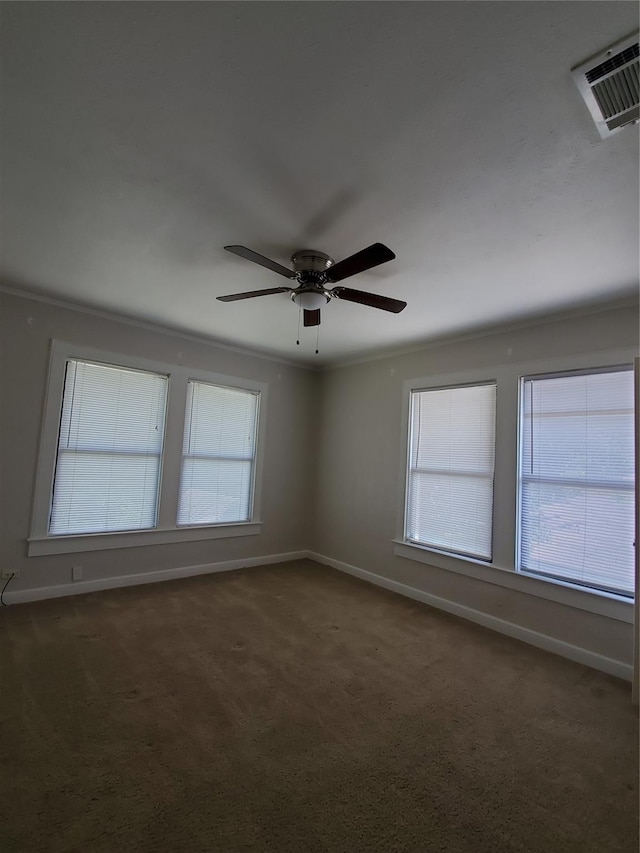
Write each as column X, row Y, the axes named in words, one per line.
column 109, row 449
column 451, row 469
column 576, row 515
column 218, row 455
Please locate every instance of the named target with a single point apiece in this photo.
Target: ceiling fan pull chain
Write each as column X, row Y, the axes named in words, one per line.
column 317, row 339
column 299, row 315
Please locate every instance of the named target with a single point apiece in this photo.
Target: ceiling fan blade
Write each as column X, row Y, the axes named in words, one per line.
column 372, row 299
column 367, row 258
column 311, row 318
column 250, row 255
column 233, row 297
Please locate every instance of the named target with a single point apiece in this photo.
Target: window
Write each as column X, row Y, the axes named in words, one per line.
column 553, row 516
column 218, row 455
column 134, row 452
column 109, row 449
column 451, row 469
column 576, row 513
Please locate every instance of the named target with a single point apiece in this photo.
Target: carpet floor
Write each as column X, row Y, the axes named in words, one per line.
column 293, row 708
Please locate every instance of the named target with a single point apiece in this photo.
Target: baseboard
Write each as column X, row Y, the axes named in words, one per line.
column 79, row 587
column 533, row 638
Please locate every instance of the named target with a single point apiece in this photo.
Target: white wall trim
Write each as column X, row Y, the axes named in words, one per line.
column 604, row 604
column 489, row 331
column 526, row 635
column 22, row 596
column 158, row 328
column 37, row 547
column 543, row 641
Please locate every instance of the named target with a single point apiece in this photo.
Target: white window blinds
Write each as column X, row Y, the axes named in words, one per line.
column 577, row 479
column 451, row 469
column 109, row 449
column 218, row 455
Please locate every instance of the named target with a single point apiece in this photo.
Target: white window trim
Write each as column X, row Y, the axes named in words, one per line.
column 609, row 368
column 405, row 522
column 190, row 525
column 502, row 569
column 40, row 542
column 581, row 598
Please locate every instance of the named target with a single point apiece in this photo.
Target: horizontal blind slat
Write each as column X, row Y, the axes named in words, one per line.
column 451, row 469
column 109, row 449
column 218, row 455
column 577, row 479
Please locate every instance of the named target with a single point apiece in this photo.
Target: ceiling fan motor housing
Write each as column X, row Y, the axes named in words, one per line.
column 309, row 260
column 310, row 267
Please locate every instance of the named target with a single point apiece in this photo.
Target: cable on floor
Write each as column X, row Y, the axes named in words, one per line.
column 2, row 601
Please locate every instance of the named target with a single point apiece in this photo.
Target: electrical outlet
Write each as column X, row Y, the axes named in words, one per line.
column 10, row 573
column 76, row 573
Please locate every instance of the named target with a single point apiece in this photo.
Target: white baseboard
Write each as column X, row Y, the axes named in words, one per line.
column 534, row 638
column 77, row 588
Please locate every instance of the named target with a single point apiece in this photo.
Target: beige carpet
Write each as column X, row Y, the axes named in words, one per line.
column 292, row 708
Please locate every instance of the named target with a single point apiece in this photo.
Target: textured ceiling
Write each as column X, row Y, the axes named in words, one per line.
column 140, row 138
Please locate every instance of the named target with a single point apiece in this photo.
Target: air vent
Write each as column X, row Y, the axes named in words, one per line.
column 608, row 83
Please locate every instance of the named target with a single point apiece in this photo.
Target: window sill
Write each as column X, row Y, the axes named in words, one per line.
column 37, row 547
column 602, row 603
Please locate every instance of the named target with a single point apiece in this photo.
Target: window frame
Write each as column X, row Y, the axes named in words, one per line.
column 60, row 451
column 167, row 530
column 460, row 554
column 184, row 456
column 559, row 374
column 501, row 571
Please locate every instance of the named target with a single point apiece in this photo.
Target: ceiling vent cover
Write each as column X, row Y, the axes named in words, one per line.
column 608, row 82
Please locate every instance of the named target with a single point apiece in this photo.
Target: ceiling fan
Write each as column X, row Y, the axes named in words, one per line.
column 313, row 270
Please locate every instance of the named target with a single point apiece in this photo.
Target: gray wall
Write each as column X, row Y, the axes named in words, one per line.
column 360, row 477
column 332, row 477
column 26, row 328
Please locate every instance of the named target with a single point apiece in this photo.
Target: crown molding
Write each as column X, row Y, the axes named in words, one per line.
column 489, row 331
column 104, row 314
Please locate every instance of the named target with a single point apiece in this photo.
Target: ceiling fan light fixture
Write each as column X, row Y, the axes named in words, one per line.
column 310, row 300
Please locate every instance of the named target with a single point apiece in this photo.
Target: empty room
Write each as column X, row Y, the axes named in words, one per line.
column 319, row 422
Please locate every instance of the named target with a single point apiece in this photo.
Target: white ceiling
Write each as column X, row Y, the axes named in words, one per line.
column 140, row 138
